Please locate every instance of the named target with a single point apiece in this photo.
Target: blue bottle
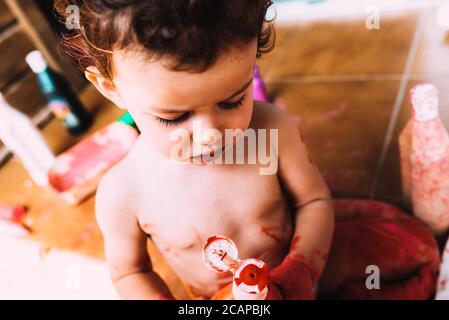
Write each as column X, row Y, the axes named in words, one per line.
column 61, row 100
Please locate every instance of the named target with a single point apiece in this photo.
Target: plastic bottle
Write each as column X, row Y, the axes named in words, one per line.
column 20, row 136
column 259, row 89
column 62, row 101
column 429, row 160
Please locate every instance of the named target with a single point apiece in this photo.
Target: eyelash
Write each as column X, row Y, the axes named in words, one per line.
column 223, row 105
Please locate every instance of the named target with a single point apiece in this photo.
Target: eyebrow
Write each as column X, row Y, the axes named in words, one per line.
column 242, row 89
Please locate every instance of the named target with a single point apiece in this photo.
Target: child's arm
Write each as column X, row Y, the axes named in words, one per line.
column 313, row 216
column 126, row 245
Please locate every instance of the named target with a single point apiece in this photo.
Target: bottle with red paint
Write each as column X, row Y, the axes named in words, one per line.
column 425, row 160
column 251, row 280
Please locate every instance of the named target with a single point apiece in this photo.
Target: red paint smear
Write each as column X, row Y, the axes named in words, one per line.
column 330, row 115
column 295, row 278
column 268, row 232
column 295, row 243
column 12, row 213
column 310, row 160
column 321, row 255
column 198, row 236
column 252, row 275
column 302, row 136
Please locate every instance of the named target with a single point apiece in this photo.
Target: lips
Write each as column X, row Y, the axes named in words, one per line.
column 205, row 156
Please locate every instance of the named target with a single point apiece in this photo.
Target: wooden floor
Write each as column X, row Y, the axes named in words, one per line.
column 345, row 85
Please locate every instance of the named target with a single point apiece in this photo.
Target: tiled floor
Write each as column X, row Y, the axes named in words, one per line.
column 345, row 85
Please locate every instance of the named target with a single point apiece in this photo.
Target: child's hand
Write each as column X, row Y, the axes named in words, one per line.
column 294, row 278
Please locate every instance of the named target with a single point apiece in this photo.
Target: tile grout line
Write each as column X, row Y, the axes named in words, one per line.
column 399, row 99
column 350, row 78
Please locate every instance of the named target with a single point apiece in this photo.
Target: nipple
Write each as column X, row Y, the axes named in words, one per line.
column 250, row 276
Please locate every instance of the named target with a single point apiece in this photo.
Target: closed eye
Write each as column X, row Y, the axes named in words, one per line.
column 174, row 122
column 185, row 116
column 232, row 105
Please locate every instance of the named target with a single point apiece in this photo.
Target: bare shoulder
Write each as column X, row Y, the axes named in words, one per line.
column 269, row 116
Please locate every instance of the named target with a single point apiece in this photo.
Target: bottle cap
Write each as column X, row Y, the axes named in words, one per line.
column 424, row 100
column 219, row 253
column 36, row 61
column 127, row 119
column 251, row 280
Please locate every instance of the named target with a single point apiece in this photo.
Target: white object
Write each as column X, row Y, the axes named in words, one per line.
column 221, row 254
column 425, row 102
column 245, row 291
column 443, row 16
column 36, row 61
column 443, row 281
column 22, row 138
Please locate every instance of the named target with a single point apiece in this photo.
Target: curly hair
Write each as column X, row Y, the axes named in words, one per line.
column 192, row 33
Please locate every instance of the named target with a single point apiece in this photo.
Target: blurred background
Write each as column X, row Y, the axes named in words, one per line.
column 341, row 68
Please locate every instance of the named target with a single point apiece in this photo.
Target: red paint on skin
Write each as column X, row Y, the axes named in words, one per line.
column 321, row 255
column 302, row 136
column 252, row 275
column 295, row 243
column 295, row 278
column 310, row 160
column 269, row 232
column 198, row 237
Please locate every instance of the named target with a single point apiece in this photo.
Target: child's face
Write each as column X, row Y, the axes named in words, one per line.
column 161, row 100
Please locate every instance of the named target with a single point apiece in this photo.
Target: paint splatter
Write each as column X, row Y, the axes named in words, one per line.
column 332, row 114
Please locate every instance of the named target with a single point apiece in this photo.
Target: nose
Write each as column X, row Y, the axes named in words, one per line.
column 206, row 130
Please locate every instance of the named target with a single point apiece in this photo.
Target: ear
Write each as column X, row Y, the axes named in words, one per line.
column 104, row 85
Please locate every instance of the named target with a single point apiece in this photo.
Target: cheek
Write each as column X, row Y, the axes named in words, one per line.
column 243, row 118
